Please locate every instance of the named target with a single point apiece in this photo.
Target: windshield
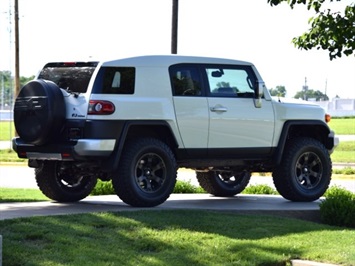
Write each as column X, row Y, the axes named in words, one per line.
column 73, row 77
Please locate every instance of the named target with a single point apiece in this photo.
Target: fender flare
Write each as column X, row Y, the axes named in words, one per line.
column 111, row 164
column 327, row 139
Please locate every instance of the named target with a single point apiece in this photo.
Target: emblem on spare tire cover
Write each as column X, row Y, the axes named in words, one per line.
column 39, row 112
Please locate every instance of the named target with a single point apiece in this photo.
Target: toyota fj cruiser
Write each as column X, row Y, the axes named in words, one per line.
column 135, row 121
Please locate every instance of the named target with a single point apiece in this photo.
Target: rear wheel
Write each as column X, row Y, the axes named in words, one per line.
column 63, row 182
column 146, row 174
column 305, row 171
column 223, row 183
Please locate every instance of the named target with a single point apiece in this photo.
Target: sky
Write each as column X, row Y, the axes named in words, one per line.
column 248, row 30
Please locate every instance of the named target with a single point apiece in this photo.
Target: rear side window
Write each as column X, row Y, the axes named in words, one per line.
column 185, row 80
column 73, row 76
column 115, row 80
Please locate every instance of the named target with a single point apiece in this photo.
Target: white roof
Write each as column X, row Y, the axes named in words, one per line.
column 168, row 60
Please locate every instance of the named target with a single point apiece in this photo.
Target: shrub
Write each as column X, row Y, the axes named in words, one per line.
column 260, row 189
column 187, row 187
column 338, row 208
column 103, row 188
column 344, row 171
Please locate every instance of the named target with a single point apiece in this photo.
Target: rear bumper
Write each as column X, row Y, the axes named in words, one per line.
column 66, row 151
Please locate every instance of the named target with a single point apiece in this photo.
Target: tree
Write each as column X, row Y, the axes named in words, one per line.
column 311, row 94
column 332, row 31
column 7, row 88
column 279, row 91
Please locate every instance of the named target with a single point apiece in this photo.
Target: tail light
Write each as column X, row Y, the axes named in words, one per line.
column 98, row 107
column 327, row 118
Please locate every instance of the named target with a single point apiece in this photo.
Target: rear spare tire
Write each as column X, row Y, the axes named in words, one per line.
column 39, row 112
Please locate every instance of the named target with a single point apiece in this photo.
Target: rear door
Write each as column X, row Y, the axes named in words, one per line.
column 191, row 107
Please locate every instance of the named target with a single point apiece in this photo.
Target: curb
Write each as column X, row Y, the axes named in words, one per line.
column 309, row 263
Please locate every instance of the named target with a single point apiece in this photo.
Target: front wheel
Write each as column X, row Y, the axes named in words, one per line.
column 146, row 174
column 305, row 171
column 63, row 182
column 223, row 183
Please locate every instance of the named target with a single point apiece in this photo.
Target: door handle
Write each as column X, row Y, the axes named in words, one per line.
column 218, row 109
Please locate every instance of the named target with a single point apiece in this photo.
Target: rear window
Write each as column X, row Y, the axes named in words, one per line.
column 73, row 77
column 115, row 80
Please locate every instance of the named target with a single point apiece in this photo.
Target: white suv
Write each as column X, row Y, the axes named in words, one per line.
column 135, row 121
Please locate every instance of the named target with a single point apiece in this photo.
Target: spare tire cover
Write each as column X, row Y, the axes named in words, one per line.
column 39, row 112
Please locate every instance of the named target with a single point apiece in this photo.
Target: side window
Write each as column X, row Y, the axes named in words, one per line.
column 229, row 81
column 185, row 80
column 115, row 80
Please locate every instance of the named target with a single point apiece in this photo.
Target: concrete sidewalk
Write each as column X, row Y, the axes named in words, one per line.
column 237, row 203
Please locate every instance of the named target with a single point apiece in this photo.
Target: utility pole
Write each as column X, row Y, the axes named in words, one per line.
column 305, row 89
column 174, row 28
column 17, row 51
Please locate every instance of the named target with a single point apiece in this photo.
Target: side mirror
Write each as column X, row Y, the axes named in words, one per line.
column 259, row 93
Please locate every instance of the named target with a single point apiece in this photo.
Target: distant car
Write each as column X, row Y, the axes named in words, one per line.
column 135, row 121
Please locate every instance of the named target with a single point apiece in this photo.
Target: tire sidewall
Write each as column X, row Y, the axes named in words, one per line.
column 236, row 188
column 50, row 184
column 168, row 184
column 125, row 183
column 284, row 175
column 322, row 186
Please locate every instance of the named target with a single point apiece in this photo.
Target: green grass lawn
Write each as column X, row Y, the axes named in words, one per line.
column 172, row 237
column 344, row 153
column 343, row 126
column 7, row 130
column 21, row 195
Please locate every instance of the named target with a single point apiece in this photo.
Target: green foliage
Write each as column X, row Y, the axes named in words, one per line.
column 311, row 94
column 345, row 171
column 332, row 31
column 7, row 81
column 279, row 91
column 103, row 188
column 260, row 189
column 338, row 208
column 186, row 187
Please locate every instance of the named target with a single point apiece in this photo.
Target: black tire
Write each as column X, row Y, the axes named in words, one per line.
column 305, row 171
column 223, row 184
column 63, row 182
column 39, row 112
column 146, row 174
